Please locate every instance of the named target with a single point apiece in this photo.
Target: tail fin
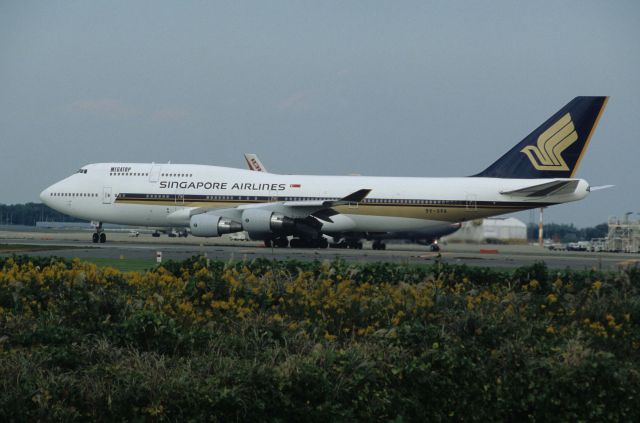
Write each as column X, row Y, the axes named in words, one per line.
column 555, row 148
column 254, row 163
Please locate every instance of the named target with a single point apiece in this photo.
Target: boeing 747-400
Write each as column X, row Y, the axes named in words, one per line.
column 211, row 200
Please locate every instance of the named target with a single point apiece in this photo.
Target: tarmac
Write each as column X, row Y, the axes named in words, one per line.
column 120, row 245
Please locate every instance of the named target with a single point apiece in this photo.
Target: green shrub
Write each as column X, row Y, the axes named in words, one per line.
column 319, row 341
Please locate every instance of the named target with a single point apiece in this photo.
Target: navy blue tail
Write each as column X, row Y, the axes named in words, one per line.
column 555, row 148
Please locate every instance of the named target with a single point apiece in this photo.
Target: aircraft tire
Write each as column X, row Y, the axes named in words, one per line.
column 378, row 245
column 323, row 243
column 282, row 242
column 267, row 243
column 301, row 243
column 103, row 238
column 96, row 238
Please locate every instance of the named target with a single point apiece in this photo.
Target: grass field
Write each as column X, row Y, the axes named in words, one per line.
column 22, row 248
column 123, row 264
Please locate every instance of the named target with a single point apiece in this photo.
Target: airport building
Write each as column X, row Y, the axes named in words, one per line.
column 623, row 235
column 498, row 230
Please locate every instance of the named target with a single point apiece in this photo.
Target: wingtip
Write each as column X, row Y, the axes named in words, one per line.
column 356, row 196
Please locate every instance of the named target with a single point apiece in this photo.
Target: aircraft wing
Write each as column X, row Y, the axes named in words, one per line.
column 558, row 187
column 320, row 209
column 354, row 197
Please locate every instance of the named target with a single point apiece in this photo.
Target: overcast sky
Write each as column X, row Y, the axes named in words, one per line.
column 395, row 88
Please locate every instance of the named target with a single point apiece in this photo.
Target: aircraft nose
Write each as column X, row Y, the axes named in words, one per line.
column 44, row 195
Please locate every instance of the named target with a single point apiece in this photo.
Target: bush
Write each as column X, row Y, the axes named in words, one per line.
column 319, row 341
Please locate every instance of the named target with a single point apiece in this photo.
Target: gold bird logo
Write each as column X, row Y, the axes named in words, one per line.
column 547, row 155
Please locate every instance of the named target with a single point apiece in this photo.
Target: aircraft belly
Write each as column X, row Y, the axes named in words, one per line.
column 438, row 214
column 366, row 223
column 340, row 223
column 129, row 214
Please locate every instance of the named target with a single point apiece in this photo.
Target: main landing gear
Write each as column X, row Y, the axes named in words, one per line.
column 309, row 243
column 283, row 242
column 379, row 245
column 99, row 236
column 352, row 244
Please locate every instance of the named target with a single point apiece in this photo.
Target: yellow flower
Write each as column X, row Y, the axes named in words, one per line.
column 329, row 337
column 396, row 320
column 596, row 285
column 557, row 284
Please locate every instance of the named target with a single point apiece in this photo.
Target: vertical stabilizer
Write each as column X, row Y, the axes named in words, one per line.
column 254, row 162
column 555, row 148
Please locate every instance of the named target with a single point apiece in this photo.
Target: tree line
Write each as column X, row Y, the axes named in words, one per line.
column 567, row 233
column 30, row 213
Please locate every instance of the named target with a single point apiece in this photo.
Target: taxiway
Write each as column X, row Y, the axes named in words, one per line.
column 121, row 246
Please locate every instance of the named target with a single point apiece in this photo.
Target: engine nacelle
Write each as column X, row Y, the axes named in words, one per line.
column 210, row 225
column 264, row 221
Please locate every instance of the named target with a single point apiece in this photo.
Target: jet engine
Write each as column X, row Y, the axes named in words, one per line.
column 265, row 221
column 210, row 225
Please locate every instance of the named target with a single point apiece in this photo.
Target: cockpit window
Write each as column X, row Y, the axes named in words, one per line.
column 82, row 171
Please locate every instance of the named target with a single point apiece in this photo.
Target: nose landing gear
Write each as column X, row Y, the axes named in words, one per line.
column 99, row 235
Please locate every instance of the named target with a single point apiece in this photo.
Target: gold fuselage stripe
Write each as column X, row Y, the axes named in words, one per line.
column 451, row 211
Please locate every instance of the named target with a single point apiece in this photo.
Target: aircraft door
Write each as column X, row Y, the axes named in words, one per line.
column 179, row 198
column 154, row 173
column 472, row 202
column 106, row 195
column 273, row 195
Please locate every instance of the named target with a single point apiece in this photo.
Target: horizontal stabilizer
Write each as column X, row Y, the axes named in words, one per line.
column 543, row 190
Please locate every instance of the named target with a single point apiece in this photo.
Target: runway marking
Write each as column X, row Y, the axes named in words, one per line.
column 488, row 251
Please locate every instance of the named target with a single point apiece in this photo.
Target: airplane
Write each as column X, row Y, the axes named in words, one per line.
column 211, row 200
column 254, row 163
column 428, row 236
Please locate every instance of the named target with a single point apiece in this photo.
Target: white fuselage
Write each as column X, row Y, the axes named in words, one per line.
column 162, row 195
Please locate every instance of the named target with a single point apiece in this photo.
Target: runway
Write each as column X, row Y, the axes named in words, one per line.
column 120, row 246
